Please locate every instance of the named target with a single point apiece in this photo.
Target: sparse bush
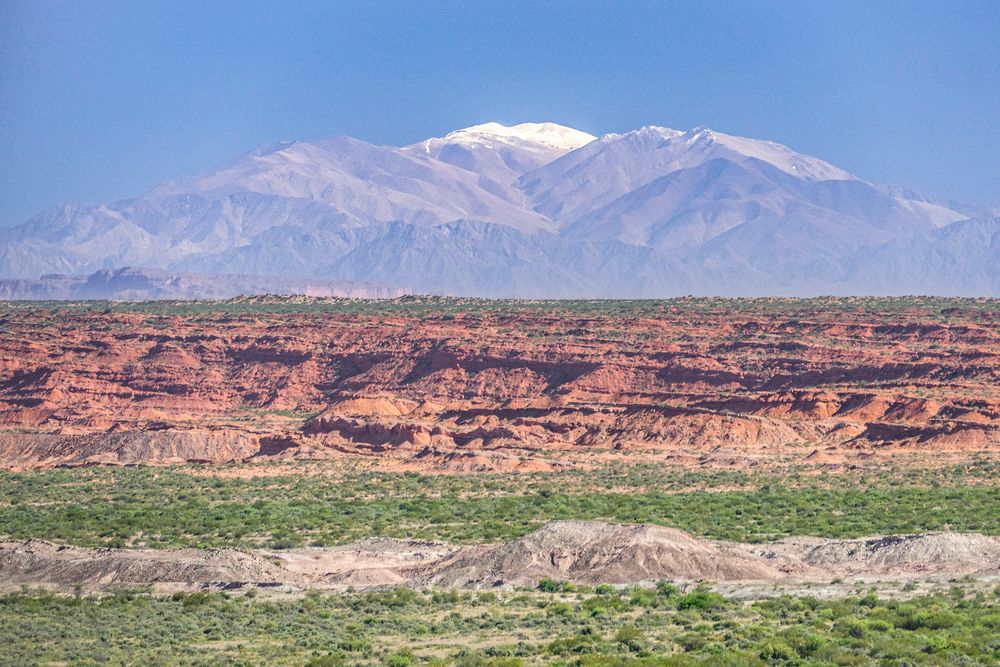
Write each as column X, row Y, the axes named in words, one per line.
column 548, row 586
column 630, row 637
column 400, row 659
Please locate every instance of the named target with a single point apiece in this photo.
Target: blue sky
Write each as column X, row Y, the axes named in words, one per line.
column 102, row 100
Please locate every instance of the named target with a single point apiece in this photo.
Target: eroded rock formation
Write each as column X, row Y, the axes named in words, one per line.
column 470, row 385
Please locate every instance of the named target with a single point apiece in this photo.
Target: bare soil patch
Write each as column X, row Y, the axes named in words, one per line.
column 582, row 552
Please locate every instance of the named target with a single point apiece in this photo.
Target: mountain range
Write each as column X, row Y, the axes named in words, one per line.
column 533, row 210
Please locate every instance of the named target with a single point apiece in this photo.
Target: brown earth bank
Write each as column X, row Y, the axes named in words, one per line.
column 580, row 552
column 435, row 384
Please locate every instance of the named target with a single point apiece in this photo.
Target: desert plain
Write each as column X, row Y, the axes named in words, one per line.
column 429, row 480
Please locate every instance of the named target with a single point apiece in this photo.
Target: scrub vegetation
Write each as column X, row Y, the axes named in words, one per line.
column 566, row 626
column 314, row 503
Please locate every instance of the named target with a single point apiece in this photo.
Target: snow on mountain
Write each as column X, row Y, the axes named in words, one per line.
column 535, row 209
column 500, row 154
column 703, row 143
column 551, row 135
column 363, row 182
column 617, row 164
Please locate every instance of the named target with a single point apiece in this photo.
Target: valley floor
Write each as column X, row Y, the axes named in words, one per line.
column 931, row 600
column 441, row 481
column 955, row 624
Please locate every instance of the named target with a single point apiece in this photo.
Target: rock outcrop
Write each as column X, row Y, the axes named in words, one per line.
column 466, row 385
column 592, row 552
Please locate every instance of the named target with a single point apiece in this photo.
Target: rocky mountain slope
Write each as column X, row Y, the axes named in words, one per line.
column 532, row 210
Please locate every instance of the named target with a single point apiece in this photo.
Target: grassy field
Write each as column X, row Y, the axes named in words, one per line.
column 602, row 626
column 306, row 503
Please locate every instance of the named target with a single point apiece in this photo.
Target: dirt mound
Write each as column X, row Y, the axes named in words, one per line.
column 954, row 553
column 595, row 552
column 585, row 552
column 364, row 564
column 37, row 561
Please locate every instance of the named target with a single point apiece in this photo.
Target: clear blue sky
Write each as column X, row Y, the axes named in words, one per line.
column 102, row 100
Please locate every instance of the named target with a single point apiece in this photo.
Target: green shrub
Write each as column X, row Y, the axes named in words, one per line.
column 775, row 652
column 630, row 637
column 701, row 599
column 548, row 585
column 666, row 589
column 852, row 628
column 195, row 599
column 574, row 644
column 691, row 641
column 400, row 659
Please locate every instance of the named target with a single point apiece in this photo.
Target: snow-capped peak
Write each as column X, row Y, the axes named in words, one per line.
column 778, row 155
column 681, row 150
column 646, row 133
column 546, row 134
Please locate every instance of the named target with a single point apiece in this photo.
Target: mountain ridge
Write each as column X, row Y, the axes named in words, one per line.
column 532, row 210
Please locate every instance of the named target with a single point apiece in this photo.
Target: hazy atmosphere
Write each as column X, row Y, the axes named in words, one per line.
column 103, row 100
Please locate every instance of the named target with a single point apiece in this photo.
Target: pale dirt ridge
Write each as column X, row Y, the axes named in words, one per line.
column 591, row 552
column 41, row 562
column 893, row 553
column 584, row 552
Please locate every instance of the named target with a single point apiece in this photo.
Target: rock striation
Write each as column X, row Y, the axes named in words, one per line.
column 463, row 385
